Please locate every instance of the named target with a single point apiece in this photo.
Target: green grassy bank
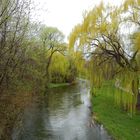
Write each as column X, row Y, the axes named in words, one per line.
column 119, row 123
column 55, row 85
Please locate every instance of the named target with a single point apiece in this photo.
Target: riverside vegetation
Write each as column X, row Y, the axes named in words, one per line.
column 103, row 48
column 106, row 47
column 32, row 55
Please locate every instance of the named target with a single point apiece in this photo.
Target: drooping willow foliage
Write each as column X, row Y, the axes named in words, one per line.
column 109, row 38
column 61, row 70
column 127, row 90
column 58, row 68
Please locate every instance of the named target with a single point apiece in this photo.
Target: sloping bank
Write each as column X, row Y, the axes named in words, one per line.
column 12, row 105
column 117, row 121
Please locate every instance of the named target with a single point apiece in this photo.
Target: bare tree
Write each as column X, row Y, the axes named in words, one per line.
column 14, row 20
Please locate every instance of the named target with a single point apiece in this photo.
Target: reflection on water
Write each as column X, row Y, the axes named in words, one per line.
column 63, row 114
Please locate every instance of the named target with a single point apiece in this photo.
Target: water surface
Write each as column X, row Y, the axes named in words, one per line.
column 63, row 114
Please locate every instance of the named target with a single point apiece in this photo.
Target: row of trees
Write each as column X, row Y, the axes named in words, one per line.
column 14, row 20
column 31, row 56
column 109, row 38
column 27, row 49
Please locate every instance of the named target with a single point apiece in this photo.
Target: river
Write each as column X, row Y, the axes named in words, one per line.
column 63, row 114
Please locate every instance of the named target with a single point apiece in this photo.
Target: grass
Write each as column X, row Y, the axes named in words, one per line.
column 55, row 85
column 118, row 122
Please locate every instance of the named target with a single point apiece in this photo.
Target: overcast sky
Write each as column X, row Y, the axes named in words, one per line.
column 64, row 14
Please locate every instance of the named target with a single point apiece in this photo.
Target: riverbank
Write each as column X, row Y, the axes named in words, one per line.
column 12, row 105
column 118, row 122
column 56, row 85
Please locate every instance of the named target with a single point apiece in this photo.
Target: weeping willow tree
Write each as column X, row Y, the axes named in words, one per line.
column 112, row 48
column 61, row 69
column 81, row 67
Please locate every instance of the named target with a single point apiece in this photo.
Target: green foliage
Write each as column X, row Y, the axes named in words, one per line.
column 110, row 56
column 56, row 85
column 118, row 122
column 51, row 36
column 61, row 69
